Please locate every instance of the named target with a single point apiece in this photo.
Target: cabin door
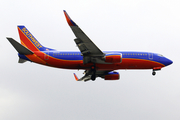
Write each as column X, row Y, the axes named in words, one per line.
column 46, row 56
column 150, row 56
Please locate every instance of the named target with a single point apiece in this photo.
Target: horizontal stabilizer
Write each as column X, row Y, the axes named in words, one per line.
column 20, row 48
column 21, row 60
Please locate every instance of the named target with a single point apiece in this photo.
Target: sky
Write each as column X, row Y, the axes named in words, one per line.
column 30, row 91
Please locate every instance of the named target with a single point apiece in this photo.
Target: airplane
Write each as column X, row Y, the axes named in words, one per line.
column 95, row 62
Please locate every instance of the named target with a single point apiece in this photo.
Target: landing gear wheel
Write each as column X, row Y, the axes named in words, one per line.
column 93, row 68
column 153, row 73
column 93, row 77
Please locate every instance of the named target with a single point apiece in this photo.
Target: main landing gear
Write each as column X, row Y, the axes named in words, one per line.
column 93, row 69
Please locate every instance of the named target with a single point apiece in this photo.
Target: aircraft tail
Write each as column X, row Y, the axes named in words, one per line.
column 28, row 40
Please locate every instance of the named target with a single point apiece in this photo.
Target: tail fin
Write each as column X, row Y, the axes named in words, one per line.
column 28, row 40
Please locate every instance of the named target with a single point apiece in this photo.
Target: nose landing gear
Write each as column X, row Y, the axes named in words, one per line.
column 153, row 73
column 155, row 69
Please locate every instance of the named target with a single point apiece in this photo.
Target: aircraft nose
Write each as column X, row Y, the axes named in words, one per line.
column 168, row 61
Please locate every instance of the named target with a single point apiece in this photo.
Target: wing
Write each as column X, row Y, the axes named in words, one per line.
column 85, row 45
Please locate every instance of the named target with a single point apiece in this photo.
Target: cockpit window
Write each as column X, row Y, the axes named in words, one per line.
column 160, row 55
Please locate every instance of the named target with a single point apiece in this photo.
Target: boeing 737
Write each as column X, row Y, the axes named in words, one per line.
column 95, row 62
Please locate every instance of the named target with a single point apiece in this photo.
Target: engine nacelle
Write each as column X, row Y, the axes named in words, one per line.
column 113, row 58
column 112, row 76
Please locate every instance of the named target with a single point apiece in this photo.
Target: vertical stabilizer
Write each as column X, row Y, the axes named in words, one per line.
column 28, row 40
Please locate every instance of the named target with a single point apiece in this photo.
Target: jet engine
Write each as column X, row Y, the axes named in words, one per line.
column 113, row 58
column 112, row 76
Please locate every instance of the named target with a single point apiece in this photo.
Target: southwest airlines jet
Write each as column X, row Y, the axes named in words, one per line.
column 95, row 62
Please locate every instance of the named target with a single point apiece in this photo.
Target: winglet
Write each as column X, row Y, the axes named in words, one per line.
column 69, row 20
column 76, row 77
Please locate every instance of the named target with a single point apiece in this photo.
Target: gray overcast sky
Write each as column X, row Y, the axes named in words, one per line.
column 33, row 92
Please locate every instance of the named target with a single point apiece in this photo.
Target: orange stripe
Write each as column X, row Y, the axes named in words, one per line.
column 36, row 59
